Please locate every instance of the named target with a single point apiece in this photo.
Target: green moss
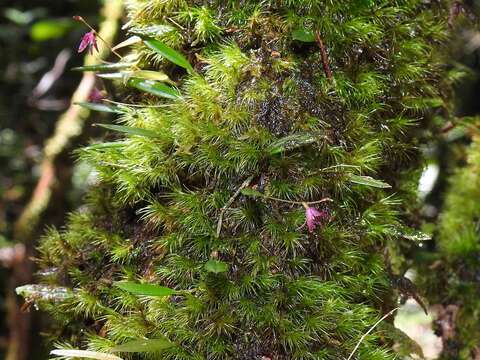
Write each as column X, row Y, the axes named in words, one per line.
column 258, row 107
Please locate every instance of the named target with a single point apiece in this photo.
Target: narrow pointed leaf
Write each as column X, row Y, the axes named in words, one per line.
column 169, row 53
column 144, row 345
column 100, row 107
column 303, row 35
column 290, row 142
column 149, row 75
column 251, row 192
column 145, row 289
column 154, row 87
column 415, row 235
column 130, row 130
column 103, row 67
column 44, row 292
column 105, row 146
column 368, row 181
column 84, row 354
column 116, row 75
column 215, row 266
column 130, row 41
column 138, row 75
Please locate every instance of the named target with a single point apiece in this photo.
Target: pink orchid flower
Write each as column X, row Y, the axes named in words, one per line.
column 89, row 40
column 314, row 217
column 96, row 96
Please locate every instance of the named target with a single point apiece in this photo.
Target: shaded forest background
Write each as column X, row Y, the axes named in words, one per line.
column 38, row 42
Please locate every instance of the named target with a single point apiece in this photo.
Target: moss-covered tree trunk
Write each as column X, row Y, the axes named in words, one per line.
column 288, row 105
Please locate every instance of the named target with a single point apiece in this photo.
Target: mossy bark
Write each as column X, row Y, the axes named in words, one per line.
column 289, row 102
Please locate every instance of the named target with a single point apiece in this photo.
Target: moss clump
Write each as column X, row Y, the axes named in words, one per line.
column 258, row 130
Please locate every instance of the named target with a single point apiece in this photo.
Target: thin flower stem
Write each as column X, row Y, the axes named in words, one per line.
column 299, row 202
column 230, row 202
column 370, row 330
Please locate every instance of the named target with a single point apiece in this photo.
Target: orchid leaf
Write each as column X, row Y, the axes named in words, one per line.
column 289, row 143
column 100, row 107
column 154, row 87
column 303, row 35
column 368, row 181
column 251, row 192
column 168, row 53
column 130, row 41
column 103, row 67
column 150, row 75
column 145, row 289
column 130, row 130
column 216, row 267
column 67, row 353
column 144, row 345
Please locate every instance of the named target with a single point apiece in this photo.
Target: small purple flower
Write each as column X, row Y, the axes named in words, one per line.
column 89, row 40
column 314, row 217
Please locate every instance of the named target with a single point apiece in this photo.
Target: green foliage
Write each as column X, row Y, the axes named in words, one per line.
column 147, row 345
column 144, row 289
column 255, row 131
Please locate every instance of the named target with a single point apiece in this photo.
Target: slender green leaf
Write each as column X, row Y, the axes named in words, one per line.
column 216, row 266
column 84, row 354
column 368, row 181
column 100, row 107
column 169, row 53
column 130, row 41
column 130, row 130
column 44, row 292
column 150, row 75
column 138, row 74
column 414, row 235
column 111, row 76
column 103, row 67
column 251, row 192
column 290, row 142
column 154, row 87
column 145, row 289
column 303, row 35
column 144, row 345
column 105, row 146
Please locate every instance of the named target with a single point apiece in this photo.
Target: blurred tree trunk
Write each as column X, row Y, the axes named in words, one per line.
column 51, row 188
